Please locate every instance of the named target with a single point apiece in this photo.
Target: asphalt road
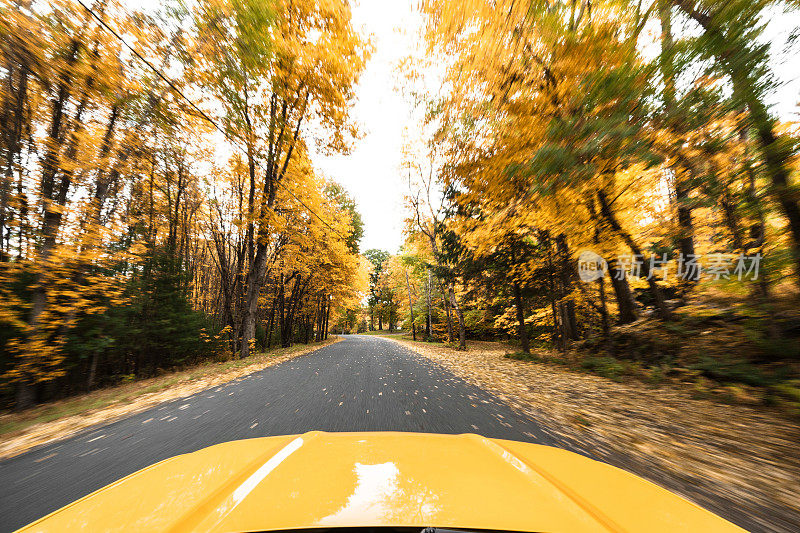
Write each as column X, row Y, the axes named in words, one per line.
column 359, row 384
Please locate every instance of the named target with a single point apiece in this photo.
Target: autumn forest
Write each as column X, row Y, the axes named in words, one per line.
column 603, row 183
column 129, row 243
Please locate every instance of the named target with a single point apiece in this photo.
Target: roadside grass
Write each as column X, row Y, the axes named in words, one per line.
column 538, row 358
column 732, row 382
column 17, row 422
column 607, row 367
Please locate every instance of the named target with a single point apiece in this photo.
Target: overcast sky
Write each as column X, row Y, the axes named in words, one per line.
column 372, row 171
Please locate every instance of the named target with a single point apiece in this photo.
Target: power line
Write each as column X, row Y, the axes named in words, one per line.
column 175, row 88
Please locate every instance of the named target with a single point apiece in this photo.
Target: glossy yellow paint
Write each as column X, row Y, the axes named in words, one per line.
column 381, row 479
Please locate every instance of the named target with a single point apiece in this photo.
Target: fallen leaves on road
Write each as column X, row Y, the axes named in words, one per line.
column 737, row 460
column 130, row 402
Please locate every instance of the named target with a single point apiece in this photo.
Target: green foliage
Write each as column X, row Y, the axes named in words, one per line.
column 377, row 258
column 607, row 367
column 381, row 301
column 772, row 347
column 154, row 328
column 790, row 390
column 658, row 374
column 732, row 371
column 533, row 356
column 159, row 324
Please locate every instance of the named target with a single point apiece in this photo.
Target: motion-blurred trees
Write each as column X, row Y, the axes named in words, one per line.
column 268, row 89
column 378, row 300
column 158, row 209
column 558, row 129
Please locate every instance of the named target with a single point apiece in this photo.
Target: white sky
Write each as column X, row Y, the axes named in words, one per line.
column 786, row 64
column 371, row 172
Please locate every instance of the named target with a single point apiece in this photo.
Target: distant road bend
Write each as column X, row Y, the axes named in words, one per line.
column 362, row 383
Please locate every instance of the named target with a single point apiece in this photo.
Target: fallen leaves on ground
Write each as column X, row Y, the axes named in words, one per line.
column 736, row 460
column 128, row 403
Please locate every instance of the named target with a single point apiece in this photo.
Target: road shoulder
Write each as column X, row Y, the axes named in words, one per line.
column 62, row 419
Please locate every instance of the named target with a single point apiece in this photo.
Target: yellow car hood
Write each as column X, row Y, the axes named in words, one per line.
column 381, row 479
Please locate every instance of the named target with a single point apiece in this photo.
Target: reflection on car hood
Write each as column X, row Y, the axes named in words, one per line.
column 381, row 479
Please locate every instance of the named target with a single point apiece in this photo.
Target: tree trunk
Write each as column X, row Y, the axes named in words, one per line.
column 55, row 198
column 298, row 289
column 327, row 318
column 569, row 332
column 565, row 326
column 462, row 334
column 567, row 276
column 776, row 152
column 601, row 282
column 92, row 371
column 256, row 275
column 544, row 238
column 574, row 330
column 323, row 315
column 655, row 290
column 557, row 330
column 268, row 339
column 732, row 220
column 428, row 322
column 521, row 330
column 281, row 308
column 12, row 120
column 411, row 308
column 318, row 319
column 25, row 395
column 667, row 65
column 622, row 293
column 448, row 313
column 685, row 226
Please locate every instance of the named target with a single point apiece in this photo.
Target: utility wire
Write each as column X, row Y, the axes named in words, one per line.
column 228, row 136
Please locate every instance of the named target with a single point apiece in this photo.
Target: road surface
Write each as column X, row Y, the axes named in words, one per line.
column 362, row 383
